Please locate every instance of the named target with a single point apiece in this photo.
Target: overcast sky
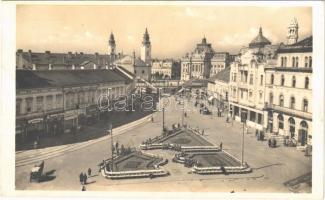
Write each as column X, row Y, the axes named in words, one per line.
column 174, row 30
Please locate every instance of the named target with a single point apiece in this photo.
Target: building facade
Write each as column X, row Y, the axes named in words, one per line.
column 165, row 69
column 57, row 101
column 203, row 62
column 289, row 92
column 218, row 89
column 247, row 81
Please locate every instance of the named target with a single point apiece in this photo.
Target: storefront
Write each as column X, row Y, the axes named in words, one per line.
column 70, row 120
column 54, row 124
column 92, row 114
column 35, row 128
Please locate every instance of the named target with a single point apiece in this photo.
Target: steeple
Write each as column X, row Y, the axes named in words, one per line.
column 292, row 32
column 146, row 48
column 112, row 45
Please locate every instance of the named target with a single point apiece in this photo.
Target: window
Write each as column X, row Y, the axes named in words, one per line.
column 292, row 103
column 261, row 80
column 261, row 95
column 272, row 79
column 39, row 104
column 49, row 102
column 305, row 105
column 280, row 120
column 135, row 71
column 293, row 61
column 142, row 71
column 271, row 98
column 281, row 100
column 306, row 83
column 18, row 106
column 282, row 62
column 241, row 94
column 235, row 77
column 58, row 100
column 250, row 94
column 310, row 61
column 306, row 61
column 294, row 81
column 251, row 79
column 285, row 61
column 29, row 104
column 282, row 80
column 297, row 62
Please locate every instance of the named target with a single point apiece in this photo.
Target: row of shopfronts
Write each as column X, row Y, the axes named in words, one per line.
column 54, row 124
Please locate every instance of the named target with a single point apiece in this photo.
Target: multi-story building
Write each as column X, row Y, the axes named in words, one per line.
column 203, row 62
column 50, row 102
column 247, row 82
column 289, row 91
column 165, row 69
column 218, row 88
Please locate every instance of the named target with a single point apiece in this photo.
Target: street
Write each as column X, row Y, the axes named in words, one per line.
column 272, row 167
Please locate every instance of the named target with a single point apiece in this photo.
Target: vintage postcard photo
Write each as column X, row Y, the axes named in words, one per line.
column 165, row 97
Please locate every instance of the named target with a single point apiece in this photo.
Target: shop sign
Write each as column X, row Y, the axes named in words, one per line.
column 34, row 121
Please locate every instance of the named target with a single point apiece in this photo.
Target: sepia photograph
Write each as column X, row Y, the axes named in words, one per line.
column 162, row 97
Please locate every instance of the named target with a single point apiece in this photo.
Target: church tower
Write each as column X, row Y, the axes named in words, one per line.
column 146, row 48
column 112, row 46
column 292, row 32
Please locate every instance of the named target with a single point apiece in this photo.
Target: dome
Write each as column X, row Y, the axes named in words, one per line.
column 259, row 40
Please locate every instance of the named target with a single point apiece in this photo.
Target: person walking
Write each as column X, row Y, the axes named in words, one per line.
column 83, row 188
column 81, row 178
column 85, row 178
column 89, row 172
column 220, row 146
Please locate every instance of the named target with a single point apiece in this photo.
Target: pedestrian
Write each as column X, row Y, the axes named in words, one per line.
column 81, row 178
column 269, row 142
column 203, row 132
column 89, row 172
column 152, row 119
column 83, row 188
column 85, row 178
column 220, row 146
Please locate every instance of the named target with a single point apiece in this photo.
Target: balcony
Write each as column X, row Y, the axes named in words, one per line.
column 289, row 111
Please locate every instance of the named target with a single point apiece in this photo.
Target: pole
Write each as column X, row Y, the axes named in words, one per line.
column 111, row 131
column 163, row 124
column 242, row 149
column 183, row 112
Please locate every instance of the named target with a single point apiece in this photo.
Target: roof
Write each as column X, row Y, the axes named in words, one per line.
column 29, row 79
column 63, row 58
column 259, row 40
column 128, row 60
column 196, row 83
column 223, row 75
column 305, row 45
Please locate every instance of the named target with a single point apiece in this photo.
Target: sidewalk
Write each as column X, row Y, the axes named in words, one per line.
column 88, row 132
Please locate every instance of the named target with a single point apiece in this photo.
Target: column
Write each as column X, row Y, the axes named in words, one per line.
column 275, row 123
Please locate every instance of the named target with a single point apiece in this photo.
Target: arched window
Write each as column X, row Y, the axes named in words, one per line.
column 251, row 79
column 282, row 80
column 294, row 81
column 261, row 80
column 281, row 100
column 310, row 61
column 306, row 61
column 293, row 61
column 292, row 128
column 272, row 79
column 280, row 120
column 297, row 61
column 285, row 61
column 271, row 98
column 292, row 102
column 303, row 132
column 305, row 105
column 282, row 62
column 306, row 83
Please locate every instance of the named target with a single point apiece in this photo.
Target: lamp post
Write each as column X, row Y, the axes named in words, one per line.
column 110, row 131
column 163, row 122
column 243, row 120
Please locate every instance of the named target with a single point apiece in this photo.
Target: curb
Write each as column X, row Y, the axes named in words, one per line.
column 29, row 159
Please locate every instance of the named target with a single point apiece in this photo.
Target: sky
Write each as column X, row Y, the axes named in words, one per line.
column 174, row 29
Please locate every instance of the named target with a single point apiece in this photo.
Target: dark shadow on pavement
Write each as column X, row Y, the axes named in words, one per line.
column 267, row 166
column 46, row 178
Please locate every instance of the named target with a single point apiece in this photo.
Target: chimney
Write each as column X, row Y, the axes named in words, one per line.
column 20, row 51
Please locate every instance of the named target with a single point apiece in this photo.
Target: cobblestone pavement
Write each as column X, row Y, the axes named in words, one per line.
column 272, row 167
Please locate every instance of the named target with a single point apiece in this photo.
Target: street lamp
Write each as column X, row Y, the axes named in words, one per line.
column 110, row 131
column 243, row 120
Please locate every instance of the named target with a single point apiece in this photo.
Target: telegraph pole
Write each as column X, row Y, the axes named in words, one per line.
column 112, row 144
column 163, row 124
column 243, row 120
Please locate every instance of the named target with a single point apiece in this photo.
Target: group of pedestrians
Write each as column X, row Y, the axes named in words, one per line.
column 83, row 179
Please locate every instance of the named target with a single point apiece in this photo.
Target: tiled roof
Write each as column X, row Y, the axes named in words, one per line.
column 223, row 75
column 28, row 79
column 63, row 58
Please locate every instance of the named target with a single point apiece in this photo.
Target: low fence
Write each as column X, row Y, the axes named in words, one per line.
column 222, row 170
